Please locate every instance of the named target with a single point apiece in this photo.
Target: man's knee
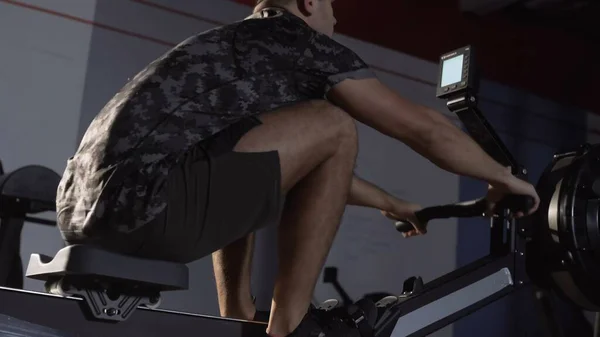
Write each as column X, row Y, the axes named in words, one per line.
column 339, row 120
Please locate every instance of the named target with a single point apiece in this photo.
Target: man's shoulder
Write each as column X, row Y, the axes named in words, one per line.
column 284, row 30
column 326, row 45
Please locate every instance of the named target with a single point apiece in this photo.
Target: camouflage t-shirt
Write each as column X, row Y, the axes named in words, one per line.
column 195, row 90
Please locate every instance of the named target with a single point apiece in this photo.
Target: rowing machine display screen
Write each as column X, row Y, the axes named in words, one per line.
column 453, row 68
column 456, row 73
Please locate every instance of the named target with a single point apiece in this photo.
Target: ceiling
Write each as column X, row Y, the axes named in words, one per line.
column 548, row 47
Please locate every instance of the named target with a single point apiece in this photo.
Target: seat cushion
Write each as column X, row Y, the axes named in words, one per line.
column 89, row 260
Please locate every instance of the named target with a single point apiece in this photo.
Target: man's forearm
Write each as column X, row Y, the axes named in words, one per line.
column 366, row 194
column 453, row 150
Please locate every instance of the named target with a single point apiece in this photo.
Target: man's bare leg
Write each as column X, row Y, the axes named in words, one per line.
column 232, row 266
column 305, row 136
column 317, row 146
column 310, row 221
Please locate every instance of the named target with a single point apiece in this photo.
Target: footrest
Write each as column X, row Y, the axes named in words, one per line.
column 85, row 260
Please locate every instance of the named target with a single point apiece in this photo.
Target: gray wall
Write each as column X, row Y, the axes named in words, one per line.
column 57, row 73
column 43, row 66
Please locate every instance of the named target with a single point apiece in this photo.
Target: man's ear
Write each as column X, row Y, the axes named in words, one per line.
column 306, row 7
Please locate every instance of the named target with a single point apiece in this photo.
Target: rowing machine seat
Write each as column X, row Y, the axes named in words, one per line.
column 93, row 261
column 113, row 285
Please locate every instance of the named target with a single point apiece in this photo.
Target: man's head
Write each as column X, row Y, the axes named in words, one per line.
column 318, row 14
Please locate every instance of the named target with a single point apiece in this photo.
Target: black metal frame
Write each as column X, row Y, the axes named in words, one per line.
column 67, row 315
column 11, row 271
column 14, row 212
column 11, row 226
column 444, row 286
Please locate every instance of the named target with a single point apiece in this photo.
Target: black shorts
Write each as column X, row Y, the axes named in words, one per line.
column 215, row 197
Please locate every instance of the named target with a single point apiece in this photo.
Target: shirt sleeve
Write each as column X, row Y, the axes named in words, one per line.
column 333, row 62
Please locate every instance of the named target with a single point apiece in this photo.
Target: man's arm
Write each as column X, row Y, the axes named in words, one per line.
column 426, row 131
column 366, row 194
column 363, row 193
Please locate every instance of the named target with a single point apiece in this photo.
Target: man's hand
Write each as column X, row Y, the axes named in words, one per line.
column 366, row 194
column 403, row 211
column 511, row 185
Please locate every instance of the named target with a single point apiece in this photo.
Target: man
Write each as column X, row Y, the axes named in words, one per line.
column 244, row 126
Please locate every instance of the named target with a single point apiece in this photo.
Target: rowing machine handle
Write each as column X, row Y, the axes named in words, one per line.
column 469, row 209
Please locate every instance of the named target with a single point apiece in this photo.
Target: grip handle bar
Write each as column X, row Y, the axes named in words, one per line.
column 468, row 209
